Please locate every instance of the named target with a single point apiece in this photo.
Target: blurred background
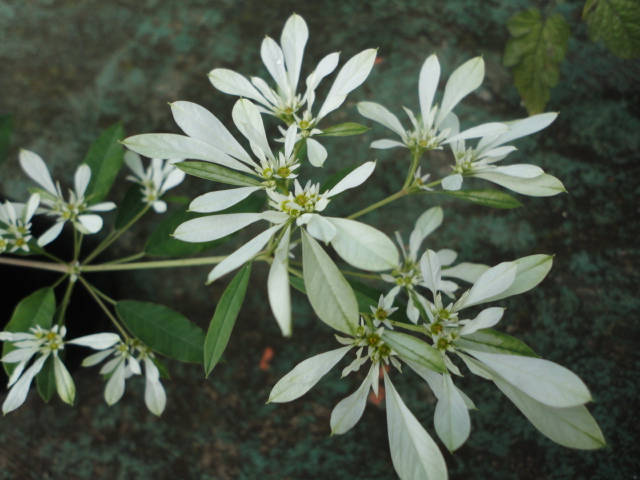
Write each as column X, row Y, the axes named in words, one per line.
column 70, row 69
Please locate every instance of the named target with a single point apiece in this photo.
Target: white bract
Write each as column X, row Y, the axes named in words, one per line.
column 284, row 63
column 480, row 161
column 15, row 224
column 433, row 128
column 159, row 177
column 77, row 209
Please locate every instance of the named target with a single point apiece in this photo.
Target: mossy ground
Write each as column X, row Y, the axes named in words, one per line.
column 71, row 69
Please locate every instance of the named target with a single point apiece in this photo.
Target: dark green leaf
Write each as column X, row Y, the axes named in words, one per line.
column 297, row 283
column 534, row 52
column 105, row 158
column 617, row 23
column 130, row 207
column 163, row 330
column 224, row 318
column 46, row 380
column 162, row 244
column 491, row 341
column 415, row 349
column 164, row 371
column 216, row 173
column 365, row 295
column 6, row 126
column 487, row 198
column 36, row 309
column 343, row 130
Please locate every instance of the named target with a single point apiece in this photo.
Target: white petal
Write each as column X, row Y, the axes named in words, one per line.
column 464, row 80
column 354, row 179
column 133, row 161
column 249, row 121
column 51, row 234
column 325, row 67
column 354, row 72
column 115, row 385
column 290, row 140
column 380, row 114
column 318, row 226
column 154, row 395
column 426, row 223
column 446, row 256
column 91, row 223
column 96, row 358
column 293, row 40
column 349, row 410
column 242, row 255
column 305, row 375
column 159, row 206
column 451, row 417
column 479, row 131
column 452, row 182
column 102, row 207
column 520, row 171
column 82, row 179
column 174, row 179
column 469, row 272
column 20, row 355
column 97, row 341
column 64, row 383
column 35, row 167
column 317, row 153
column 492, row 282
column 531, row 271
column 18, row 393
column 201, row 124
column 169, row 146
column 430, row 268
column 427, row 85
column 486, row 319
column 414, row 454
column 31, row 207
column 278, row 285
column 363, row 246
column 213, row 227
column 228, row 81
column 540, row 186
column 544, row 381
column 216, row 201
column 273, row 59
column 519, row 129
column 385, row 144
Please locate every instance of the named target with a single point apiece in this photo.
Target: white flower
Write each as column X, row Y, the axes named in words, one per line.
column 76, row 210
column 16, row 218
column 480, row 161
column 123, row 365
column 284, row 63
column 434, row 127
column 42, row 343
column 159, row 177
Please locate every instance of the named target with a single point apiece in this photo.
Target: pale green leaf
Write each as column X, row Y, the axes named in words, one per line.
column 530, row 272
column 216, row 173
column 492, row 341
column 408, row 346
column 343, row 130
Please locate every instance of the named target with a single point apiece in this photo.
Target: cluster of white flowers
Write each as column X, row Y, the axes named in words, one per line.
column 15, row 224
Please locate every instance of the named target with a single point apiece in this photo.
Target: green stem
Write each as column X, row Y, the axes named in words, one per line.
column 113, row 236
column 412, row 169
column 184, row 262
column 125, row 259
column 379, row 204
column 20, row 262
column 407, row 326
column 360, row 275
column 65, row 302
column 96, row 296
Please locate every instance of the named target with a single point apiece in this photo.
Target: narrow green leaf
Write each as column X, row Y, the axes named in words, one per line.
column 36, row 309
column 534, row 52
column 491, row 341
column 344, row 130
column 224, row 318
column 105, row 157
column 162, row 244
column 617, row 23
column 46, row 380
column 415, row 349
column 297, row 283
column 6, row 127
column 486, row 198
column 329, row 293
column 163, row 330
column 216, row 173
column 132, row 204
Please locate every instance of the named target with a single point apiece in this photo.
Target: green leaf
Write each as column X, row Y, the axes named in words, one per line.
column 328, row 291
column 365, row 295
column 343, row 130
column 224, row 318
column 163, row 330
column 105, row 157
column 534, row 52
column 216, row 173
column 35, row 309
column 131, row 206
column 415, row 350
column 162, row 368
column 162, row 244
column 491, row 341
column 46, row 380
column 531, row 271
column 6, row 126
column 487, row 198
column 617, row 23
